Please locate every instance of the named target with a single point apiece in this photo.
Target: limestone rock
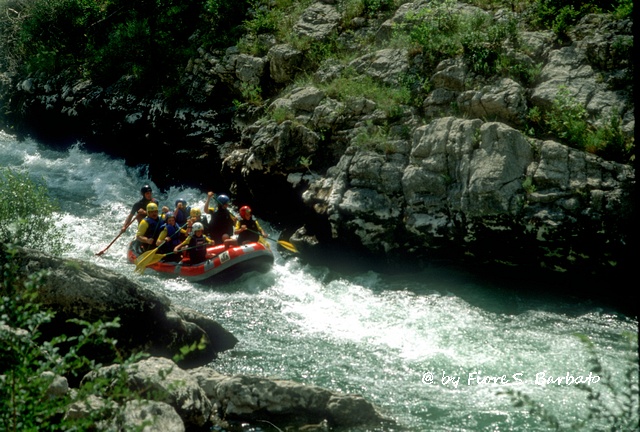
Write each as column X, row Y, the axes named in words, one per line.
column 161, row 380
column 148, row 321
column 241, row 396
column 318, row 21
column 150, row 416
column 284, row 62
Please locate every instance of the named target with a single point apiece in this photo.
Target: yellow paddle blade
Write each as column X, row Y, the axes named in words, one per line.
column 145, row 256
column 140, row 270
column 288, row 246
column 154, row 259
column 146, row 259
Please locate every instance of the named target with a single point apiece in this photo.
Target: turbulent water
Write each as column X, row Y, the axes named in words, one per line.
column 435, row 349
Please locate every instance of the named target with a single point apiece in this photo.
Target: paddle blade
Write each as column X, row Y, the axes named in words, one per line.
column 145, row 256
column 146, row 259
column 140, row 270
column 140, row 267
column 288, row 246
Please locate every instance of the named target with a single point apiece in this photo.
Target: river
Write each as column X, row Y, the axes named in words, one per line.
column 436, row 348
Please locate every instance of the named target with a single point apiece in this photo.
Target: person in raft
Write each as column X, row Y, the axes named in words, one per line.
column 248, row 229
column 169, row 238
column 196, row 244
column 149, row 228
column 138, row 210
column 195, row 215
column 182, row 211
column 163, row 214
column 222, row 222
column 210, row 210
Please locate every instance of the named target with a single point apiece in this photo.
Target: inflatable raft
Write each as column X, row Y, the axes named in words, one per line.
column 250, row 256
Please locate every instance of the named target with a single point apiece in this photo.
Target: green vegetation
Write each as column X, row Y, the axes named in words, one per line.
column 436, row 31
column 528, row 185
column 153, row 40
column 150, row 41
column 373, row 137
column 561, row 15
column 440, row 32
column 567, row 119
column 28, row 215
column 30, row 365
column 306, row 162
column 614, row 408
column 350, row 84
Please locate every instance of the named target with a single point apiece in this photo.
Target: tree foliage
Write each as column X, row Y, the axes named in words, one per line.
column 28, row 214
column 561, row 15
column 150, row 40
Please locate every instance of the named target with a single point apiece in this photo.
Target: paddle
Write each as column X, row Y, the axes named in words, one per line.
column 141, row 267
column 117, row 237
column 144, row 258
column 284, row 244
column 288, row 246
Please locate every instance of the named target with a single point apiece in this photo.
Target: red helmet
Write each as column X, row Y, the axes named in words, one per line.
column 245, row 212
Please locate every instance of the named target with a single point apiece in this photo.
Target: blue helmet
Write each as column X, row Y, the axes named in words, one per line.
column 181, row 200
column 222, row 199
column 169, row 215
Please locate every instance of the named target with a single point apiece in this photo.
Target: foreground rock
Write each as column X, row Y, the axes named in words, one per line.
column 148, row 321
column 254, row 397
column 162, row 380
column 178, row 400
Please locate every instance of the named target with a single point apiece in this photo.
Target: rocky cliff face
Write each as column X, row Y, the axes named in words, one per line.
column 454, row 176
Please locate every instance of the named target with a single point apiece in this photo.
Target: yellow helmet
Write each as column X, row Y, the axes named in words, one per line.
column 152, row 207
column 195, row 212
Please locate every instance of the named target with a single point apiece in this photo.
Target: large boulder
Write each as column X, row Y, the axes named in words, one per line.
column 166, row 397
column 505, row 101
column 387, row 65
column 284, row 62
column 250, row 397
column 161, row 380
column 595, row 70
column 148, row 321
column 317, row 22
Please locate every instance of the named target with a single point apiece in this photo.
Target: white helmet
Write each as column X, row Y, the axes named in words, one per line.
column 197, row 227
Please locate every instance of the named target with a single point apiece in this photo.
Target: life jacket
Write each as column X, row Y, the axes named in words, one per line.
column 153, row 231
column 153, row 228
column 171, row 240
column 199, row 251
column 251, row 234
column 182, row 215
column 221, row 223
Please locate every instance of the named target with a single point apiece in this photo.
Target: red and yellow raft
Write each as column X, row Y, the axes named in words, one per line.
column 250, row 256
